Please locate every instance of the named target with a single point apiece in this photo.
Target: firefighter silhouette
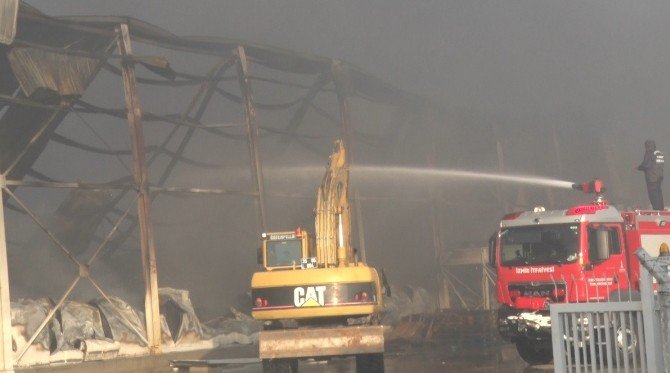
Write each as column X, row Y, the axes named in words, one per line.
column 652, row 165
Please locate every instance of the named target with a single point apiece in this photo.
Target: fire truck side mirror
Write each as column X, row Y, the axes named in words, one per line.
column 259, row 256
column 602, row 251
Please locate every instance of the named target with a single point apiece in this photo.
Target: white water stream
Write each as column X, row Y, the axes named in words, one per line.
column 372, row 171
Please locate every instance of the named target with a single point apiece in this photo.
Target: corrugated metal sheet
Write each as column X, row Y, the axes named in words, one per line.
column 45, row 75
column 60, row 76
column 9, row 10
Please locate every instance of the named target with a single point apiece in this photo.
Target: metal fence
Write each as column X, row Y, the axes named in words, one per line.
column 611, row 336
column 592, row 337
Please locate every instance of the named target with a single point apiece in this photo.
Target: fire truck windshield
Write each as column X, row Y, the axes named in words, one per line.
column 283, row 252
column 539, row 244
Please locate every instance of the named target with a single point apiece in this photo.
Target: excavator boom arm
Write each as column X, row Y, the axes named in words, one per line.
column 333, row 216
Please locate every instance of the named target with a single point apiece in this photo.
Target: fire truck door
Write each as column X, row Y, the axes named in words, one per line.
column 607, row 266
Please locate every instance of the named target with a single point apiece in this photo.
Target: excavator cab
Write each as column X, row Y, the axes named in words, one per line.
column 286, row 250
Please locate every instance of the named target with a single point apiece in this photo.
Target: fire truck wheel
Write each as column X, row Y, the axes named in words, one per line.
column 373, row 363
column 280, row 365
column 532, row 352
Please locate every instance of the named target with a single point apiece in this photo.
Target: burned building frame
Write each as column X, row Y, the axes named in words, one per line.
column 46, row 66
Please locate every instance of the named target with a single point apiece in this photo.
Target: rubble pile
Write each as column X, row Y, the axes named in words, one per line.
column 414, row 319
column 108, row 328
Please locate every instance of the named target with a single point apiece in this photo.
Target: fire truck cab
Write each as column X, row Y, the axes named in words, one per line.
column 582, row 254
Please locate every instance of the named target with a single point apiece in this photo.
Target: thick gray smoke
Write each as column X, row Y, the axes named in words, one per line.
column 553, row 90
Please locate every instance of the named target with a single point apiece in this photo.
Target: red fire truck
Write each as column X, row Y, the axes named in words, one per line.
column 582, row 254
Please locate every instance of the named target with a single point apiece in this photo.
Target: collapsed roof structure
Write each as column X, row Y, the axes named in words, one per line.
column 48, row 64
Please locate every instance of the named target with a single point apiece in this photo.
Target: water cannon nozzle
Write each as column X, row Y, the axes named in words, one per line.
column 594, row 186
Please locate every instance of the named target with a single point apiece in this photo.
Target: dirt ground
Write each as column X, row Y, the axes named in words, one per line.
column 399, row 358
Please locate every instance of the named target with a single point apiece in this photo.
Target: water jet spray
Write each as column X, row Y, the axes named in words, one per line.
column 446, row 173
column 372, row 171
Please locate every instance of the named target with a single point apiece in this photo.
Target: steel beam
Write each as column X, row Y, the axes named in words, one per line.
column 6, row 354
column 252, row 133
column 147, row 244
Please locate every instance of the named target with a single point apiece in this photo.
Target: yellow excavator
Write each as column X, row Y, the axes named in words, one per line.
column 316, row 297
